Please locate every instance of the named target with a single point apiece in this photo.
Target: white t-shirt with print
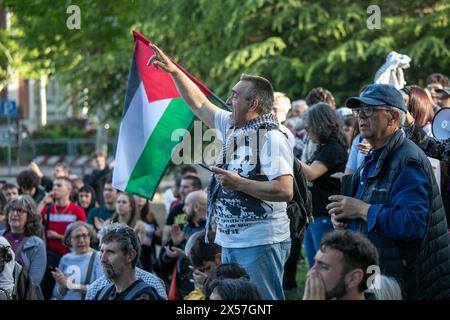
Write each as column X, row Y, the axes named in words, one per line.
column 247, row 222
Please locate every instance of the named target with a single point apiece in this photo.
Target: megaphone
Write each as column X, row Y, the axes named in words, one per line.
column 441, row 124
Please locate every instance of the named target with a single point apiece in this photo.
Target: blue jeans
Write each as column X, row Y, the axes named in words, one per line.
column 264, row 264
column 314, row 234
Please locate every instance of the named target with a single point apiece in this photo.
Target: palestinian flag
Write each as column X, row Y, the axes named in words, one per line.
column 153, row 110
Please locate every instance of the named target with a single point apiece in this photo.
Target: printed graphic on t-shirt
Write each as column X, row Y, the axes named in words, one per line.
column 243, row 220
column 236, row 210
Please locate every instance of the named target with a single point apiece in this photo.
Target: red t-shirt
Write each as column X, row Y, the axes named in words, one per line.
column 60, row 218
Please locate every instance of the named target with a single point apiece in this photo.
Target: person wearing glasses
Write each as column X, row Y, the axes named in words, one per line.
column 79, row 268
column 22, row 231
column 436, row 82
column 393, row 198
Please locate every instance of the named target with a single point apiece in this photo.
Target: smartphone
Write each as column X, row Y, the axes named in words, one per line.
column 205, row 166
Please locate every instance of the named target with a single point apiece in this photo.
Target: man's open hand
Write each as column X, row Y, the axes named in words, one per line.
column 160, row 60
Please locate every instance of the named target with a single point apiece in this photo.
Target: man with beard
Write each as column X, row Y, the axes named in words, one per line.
column 341, row 269
column 188, row 184
column 195, row 210
column 120, row 251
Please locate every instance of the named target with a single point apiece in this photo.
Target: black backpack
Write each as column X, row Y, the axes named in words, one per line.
column 299, row 209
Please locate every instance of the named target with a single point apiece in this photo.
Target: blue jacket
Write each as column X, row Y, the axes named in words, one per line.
column 417, row 252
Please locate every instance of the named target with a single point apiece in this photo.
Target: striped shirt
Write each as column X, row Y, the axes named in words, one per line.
column 59, row 219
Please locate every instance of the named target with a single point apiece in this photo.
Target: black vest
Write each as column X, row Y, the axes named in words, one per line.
column 422, row 267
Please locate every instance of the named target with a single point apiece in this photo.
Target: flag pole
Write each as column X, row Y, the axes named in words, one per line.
column 220, row 101
column 202, row 87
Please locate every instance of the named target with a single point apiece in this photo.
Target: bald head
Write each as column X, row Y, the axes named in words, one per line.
column 195, row 205
column 195, row 197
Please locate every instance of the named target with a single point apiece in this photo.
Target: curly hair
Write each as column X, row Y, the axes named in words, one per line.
column 28, row 179
column 357, row 250
column 325, row 124
column 319, row 94
column 438, row 78
column 26, row 203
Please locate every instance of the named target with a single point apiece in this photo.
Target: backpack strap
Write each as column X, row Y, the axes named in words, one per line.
column 87, row 280
column 141, row 285
column 105, row 292
column 47, row 222
column 267, row 127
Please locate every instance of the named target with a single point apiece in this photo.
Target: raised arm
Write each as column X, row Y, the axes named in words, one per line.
column 434, row 148
column 189, row 91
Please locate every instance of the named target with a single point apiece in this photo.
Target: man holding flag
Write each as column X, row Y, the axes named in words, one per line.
column 253, row 178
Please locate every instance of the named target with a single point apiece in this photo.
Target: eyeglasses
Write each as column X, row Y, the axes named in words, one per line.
column 367, row 111
column 433, row 88
column 78, row 237
column 19, row 211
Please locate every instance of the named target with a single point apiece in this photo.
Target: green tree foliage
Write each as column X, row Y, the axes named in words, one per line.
column 297, row 44
column 96, row 56
column 57, row 129
column 302, row 44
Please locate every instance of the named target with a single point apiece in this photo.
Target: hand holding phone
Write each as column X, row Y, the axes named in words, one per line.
column 205, row 166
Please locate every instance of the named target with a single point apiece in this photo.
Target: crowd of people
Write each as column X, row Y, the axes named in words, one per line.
column 381, row 209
